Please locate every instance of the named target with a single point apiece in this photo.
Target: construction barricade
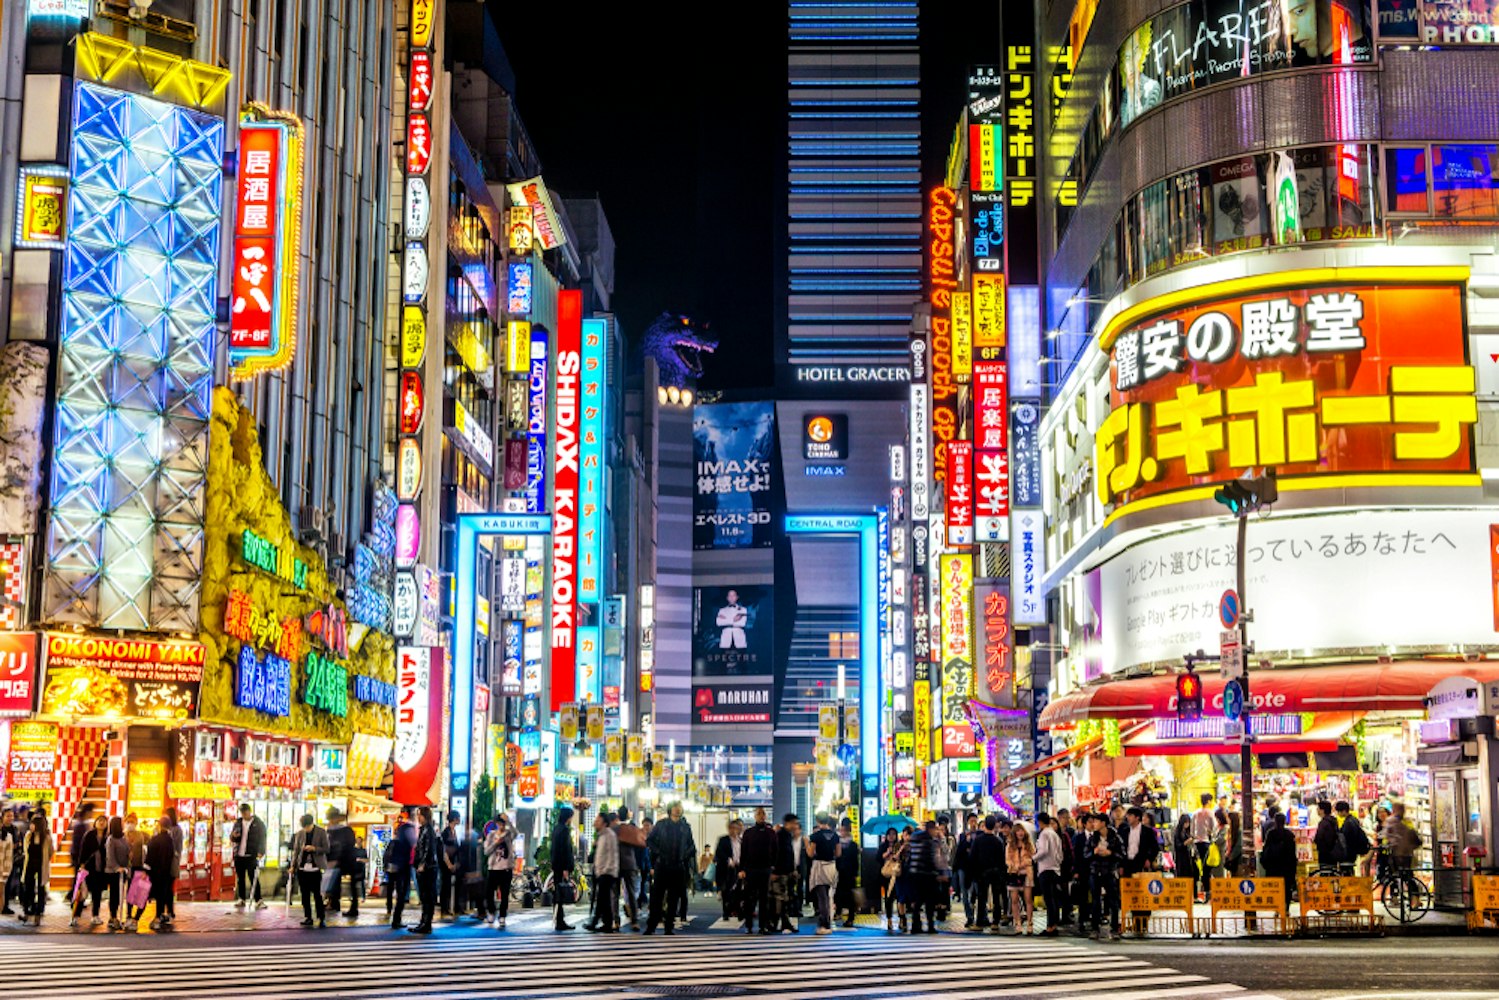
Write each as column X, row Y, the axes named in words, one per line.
column 1154, row 905
column 1249, row 906
column 1332, row 904
column 1485, row 911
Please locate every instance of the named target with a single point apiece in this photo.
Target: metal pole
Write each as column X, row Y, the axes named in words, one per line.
column 1246, row 760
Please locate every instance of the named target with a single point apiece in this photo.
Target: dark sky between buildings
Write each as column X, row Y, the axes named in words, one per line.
column 676, row 119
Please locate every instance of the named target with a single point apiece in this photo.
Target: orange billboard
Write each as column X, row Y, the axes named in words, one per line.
column 1335, row 378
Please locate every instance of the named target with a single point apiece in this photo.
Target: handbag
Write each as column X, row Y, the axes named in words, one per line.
column 565, row 892
column 1215, row 857
column 139, row 892
column 890, row 869
column 330, row 879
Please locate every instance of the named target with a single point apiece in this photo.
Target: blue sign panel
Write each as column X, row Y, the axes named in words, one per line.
column 1025, row 455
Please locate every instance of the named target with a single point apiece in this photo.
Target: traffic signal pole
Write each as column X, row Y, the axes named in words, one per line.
column 1246, row 761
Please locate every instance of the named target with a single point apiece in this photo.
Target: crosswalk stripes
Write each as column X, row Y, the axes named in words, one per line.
column 483, row 965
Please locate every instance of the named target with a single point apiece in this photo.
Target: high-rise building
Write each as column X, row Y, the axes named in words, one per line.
column 1268, row 237
column 852, row 239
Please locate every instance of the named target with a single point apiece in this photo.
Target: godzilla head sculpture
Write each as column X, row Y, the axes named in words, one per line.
column 678, row 345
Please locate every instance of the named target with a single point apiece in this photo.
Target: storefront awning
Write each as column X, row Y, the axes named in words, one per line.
column 1057, row 761
column 1401, row 686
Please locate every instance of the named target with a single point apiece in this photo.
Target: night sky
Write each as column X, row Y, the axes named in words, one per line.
column 685, row 143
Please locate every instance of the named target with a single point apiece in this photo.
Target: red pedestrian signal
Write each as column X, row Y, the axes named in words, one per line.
column 1188, row 697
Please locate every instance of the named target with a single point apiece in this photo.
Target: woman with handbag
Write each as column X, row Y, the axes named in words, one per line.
column 91, row 881
column 36, row 862
column 890, row 866
column 138, row 885
column 499, row 864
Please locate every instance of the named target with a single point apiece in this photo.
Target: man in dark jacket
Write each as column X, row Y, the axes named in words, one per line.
column 1355, row 840
column 1141, row 845
column 726, row 868
column 921, row 873
column 161, row 853
column 849, row 856
column 963, row 881
column 564, row 862
column 986, row 870
column 449, row 878
column 1104, row 852
column 428, row 858
column 1332, row 853
column 247, row 838
column 399, row 854
column 309, row 854
column 757, row 853
column 340, row 859
column 790, row 871
column 673, row 857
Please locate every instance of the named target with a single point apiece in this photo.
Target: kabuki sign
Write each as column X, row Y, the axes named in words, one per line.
column 267, row 243
column 1334, row 373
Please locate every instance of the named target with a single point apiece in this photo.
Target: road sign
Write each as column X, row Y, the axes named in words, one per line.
column 1228, row 608
column 1230, row 654
column 1233, row 701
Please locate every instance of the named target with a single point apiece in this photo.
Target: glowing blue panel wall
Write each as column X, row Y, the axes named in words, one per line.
column 130, row 460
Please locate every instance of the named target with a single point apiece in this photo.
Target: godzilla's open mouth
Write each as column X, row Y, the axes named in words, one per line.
column 691, row 356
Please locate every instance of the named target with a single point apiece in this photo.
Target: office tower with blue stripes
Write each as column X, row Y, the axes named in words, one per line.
column 853, row 208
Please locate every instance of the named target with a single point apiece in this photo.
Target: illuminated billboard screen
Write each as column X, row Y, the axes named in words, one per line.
column 732, row 449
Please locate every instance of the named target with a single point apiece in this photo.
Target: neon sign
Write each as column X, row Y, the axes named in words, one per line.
column 267, row 243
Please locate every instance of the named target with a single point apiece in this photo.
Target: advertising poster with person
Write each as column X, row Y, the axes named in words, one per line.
column 732, row 631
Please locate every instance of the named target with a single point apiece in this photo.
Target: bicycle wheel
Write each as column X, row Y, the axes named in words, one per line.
column 1418, row 899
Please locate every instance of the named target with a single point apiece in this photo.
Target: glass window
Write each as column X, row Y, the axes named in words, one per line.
column 1463, row 182
column 1155, row 226
column 1406, row 180
column 1240, row 216
column 1188, row 218
column 1350, row 190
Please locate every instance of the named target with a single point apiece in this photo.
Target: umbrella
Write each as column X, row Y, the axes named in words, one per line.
column 890, row 821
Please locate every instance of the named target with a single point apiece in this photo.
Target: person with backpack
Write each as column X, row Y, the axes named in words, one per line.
column 1332, row 852
column 1401, row 838
column 1355, row 840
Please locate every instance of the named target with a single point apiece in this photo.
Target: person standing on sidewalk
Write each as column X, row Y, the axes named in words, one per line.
column 849, row 856
column 426, row 862
column 921, row 877
column 400, row 853
column 564, row 863
column 137, row 841
column 631, row 840
column 1204, row 824
column 1049, row 870
column 169, row 814
column 726, row 870
column 449, row 878
column 340, row 860
column 605, row 875
column 248, row 839
column 309, row 852
column 673, row 855
column 116, row 868
column 757, row 852
column 499, row 863
column 36, row 863
column 83, row 822
column 825, row 850
column 1104, row 853
column 91, row 857
column 358, row 872
column 986, row 869
column 161, row 860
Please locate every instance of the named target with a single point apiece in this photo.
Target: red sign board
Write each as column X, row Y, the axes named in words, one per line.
column 942, row 282
column 565, row 499
column 412, row 405
column 18, row 656
column 418, row 144
column 419, row 708
column 1494, row 566
column 420, row 93
column 991, row 470
column 281, row 776
column 958, row 742
column 959, row 492
column 257, row 214
column 515, row 464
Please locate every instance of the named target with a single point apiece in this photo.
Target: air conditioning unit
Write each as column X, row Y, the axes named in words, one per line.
column 312, row 519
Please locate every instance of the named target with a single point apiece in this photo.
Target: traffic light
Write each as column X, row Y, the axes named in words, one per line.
column 1249, row 492
column 1188, row 697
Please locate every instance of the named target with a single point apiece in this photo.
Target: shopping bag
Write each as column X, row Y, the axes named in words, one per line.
column 139, row 892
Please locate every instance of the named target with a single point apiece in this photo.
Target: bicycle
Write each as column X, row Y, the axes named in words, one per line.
column 1405, row 897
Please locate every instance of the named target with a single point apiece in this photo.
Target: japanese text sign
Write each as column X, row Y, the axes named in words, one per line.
column 267, row 238
column 1314, row 379
column 959, row 492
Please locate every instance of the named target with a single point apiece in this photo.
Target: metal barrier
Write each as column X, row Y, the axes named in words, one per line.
column 1154, row 905
column 1259, row 905
column 1338, row 904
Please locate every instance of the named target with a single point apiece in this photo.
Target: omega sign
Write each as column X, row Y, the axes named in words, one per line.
column 854, row 373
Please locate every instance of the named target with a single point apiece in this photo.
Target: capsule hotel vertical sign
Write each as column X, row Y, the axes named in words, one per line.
column 565, row 498
column 417, row 201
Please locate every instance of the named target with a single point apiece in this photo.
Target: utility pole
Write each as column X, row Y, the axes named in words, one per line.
column 1247, row 495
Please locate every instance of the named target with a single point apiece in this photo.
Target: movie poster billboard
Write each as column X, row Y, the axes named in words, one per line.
column 733, row 631
column 732, row 448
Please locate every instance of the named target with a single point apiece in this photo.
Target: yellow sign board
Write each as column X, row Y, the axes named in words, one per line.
column 43, row 209
column 146, row 788
column 962, row 336
column 1238, row 895
column 518, row 347
column 827, row 722
column 423, row 13
column 1154, row 892
column 413, row 337
column 567, row 721
column 1325, row 893
column 1485, row 893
